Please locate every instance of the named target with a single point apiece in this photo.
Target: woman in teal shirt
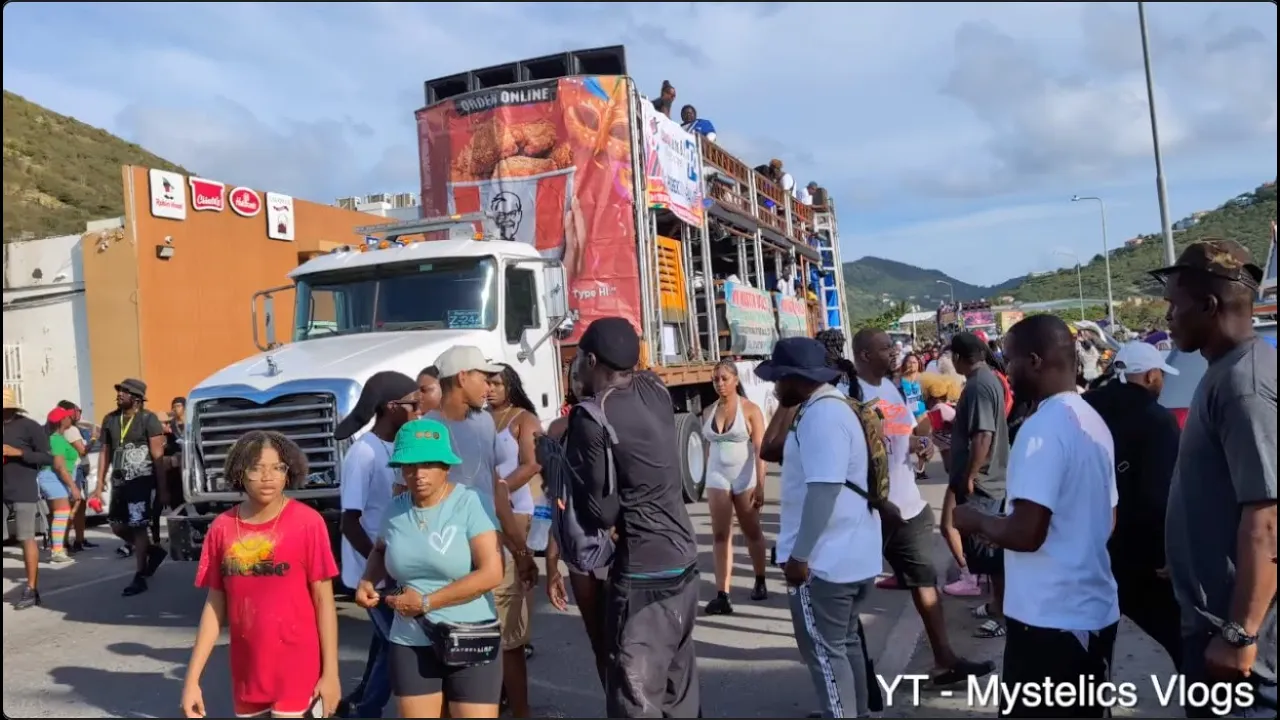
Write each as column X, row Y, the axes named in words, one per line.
column 440, row 541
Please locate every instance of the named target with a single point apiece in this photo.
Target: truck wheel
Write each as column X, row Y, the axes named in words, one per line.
column 690, row 449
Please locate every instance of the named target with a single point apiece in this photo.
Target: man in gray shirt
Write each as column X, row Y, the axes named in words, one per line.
column 979, row 460
column 1224, row 484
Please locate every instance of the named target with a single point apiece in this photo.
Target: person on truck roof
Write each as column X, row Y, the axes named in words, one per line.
column 666, row 99
column 389, row 399
column 653, row 596
column 698, row 125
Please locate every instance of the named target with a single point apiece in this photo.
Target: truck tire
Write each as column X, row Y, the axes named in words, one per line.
column 690, row 451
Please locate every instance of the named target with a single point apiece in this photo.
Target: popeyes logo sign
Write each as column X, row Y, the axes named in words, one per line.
column 245, row 202
column 208, row 195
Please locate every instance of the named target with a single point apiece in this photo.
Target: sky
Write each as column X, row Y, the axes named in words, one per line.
column 952, row 135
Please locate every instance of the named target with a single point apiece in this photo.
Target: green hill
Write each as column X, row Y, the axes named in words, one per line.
column 872, row 284
column 1245, row 219
column 60, row 173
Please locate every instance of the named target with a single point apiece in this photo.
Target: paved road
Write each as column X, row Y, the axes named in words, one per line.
column 91, row 653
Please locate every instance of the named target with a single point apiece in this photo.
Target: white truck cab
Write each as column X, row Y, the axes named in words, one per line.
column 388, row 305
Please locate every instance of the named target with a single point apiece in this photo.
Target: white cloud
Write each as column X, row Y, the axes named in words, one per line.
column 950, row 132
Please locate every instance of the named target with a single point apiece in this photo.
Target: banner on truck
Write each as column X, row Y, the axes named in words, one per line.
column 793, row 317
column 750, row 316
column 977, row 318
column 550, row 162
column 672, row 167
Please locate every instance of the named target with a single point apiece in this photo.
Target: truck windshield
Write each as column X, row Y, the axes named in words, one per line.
column 458, row 294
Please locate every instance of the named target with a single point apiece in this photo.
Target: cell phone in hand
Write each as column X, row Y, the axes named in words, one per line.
column 317, row 709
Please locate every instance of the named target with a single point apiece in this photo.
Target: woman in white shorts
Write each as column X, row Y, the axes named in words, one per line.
column 733, row 429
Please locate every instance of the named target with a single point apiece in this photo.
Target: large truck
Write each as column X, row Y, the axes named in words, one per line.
column 553, row 194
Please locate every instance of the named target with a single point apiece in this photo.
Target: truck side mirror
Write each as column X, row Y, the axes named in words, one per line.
column 556, row 283
column 269, row 319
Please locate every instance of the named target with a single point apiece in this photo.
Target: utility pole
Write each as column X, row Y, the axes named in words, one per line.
column 1162, row 192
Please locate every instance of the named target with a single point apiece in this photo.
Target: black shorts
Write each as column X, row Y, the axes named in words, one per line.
column 416, row 671
column 980, row 558
column 131, row 503
column 908, row 549
column 1040, row 656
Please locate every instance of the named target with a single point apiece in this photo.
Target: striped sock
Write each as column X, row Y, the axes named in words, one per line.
column 58, row 529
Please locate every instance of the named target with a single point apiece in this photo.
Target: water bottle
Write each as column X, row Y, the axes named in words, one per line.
column 540, row 530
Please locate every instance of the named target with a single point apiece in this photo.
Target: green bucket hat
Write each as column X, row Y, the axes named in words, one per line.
column 423, row 441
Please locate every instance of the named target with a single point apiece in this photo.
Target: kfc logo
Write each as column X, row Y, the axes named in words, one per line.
column 245, row 202
column 208, row 195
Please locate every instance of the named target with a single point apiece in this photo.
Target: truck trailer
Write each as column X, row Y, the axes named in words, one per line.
column 553, row 194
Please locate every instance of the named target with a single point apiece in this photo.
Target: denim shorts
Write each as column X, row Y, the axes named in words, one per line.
column 51, row 488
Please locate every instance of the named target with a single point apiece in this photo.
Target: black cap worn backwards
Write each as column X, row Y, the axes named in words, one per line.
column 613, row 341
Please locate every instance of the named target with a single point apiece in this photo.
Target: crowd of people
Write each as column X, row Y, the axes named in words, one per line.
column 1077, row 505
column 48, row 491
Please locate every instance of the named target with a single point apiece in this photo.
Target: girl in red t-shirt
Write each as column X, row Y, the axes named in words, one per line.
column 268, row 566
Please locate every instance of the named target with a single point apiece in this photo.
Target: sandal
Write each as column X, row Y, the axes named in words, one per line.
column 981, row 612
column 990, row 629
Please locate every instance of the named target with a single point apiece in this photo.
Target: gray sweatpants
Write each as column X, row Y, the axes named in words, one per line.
column 825, row 618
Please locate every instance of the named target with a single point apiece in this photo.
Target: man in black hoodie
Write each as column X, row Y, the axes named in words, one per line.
column 1146, row 444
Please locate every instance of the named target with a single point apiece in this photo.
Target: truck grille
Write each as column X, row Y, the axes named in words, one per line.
column 308, row 419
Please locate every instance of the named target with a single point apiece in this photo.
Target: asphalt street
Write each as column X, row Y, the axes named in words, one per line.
column 88, row 652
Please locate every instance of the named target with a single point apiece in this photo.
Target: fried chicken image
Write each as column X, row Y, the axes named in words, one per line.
column 494, row 142
column 562, row 156
column 521, row 166
column 537, row 138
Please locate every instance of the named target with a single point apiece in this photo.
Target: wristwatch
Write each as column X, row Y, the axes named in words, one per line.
column 426, row 604
column 1235, row 635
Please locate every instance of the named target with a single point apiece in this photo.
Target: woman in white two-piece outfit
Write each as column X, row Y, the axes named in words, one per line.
column 733, row 429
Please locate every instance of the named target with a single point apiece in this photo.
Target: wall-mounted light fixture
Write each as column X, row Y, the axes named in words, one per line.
column 164, row 252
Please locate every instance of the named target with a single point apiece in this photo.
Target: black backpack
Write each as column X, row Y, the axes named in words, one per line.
column 582, row 550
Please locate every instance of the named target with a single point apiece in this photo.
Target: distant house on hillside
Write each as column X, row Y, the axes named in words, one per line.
column 1135, row 242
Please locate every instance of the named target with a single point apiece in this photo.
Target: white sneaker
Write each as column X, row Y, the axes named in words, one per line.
column 61, row 558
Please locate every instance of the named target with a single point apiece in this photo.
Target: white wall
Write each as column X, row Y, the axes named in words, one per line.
column 44, row 315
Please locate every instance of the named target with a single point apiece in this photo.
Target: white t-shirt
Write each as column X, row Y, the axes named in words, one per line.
column 1064, row 460
column 931, row 367
column 73, row 436
column 831, row 448
column 367, row 483
column 899, row 426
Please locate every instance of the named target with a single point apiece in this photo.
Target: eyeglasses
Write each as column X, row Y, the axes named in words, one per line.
column 258, row 472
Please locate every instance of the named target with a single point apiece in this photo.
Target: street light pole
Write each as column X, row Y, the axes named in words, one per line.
column 950, row 289
column 1106, row 258
column 1162, row 192
column 1079, row 278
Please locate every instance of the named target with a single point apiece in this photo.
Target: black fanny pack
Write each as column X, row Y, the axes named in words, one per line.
column 463, row 644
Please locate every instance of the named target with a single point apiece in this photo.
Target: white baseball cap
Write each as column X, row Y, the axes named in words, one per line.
column 1138, row 357
column 464, row 358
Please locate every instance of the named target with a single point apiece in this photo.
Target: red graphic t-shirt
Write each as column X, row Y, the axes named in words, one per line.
column 266, row 571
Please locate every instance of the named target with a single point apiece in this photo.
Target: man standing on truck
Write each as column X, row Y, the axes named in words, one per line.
column 653, row 596
column 464, row 388
column 133, row 449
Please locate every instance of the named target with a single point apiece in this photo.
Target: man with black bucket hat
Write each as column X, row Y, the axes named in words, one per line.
column 653, row 595
column 1220, row 531
column 132, row 450
column 829, row 540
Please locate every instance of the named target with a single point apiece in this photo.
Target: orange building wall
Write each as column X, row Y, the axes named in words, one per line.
column 193, row 309
column 111, row 283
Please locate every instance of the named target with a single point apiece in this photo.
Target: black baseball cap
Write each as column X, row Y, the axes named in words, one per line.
column 614, row 342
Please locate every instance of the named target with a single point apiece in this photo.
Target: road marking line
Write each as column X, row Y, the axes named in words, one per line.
column 87, row 583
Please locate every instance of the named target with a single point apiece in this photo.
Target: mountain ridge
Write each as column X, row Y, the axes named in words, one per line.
column 873, row 284
column 60, row 173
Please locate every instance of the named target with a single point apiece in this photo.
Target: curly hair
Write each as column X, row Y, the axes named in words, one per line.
column 248, row 448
